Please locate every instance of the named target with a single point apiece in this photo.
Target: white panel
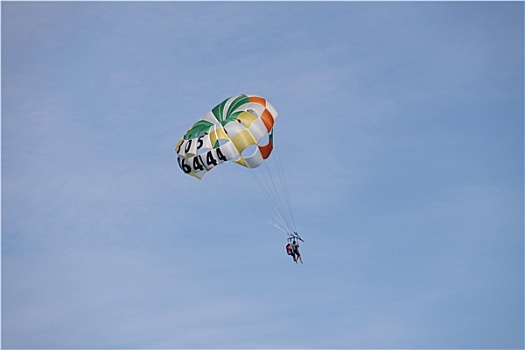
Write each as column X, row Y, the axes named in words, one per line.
column 258, row 130
column 188, row 148
column 271, row 109
column 257, row 108
column 209, row 117
column 229, row 151
column 255, row 160
column 191, row 147
column 205, row 144
column 233, row 128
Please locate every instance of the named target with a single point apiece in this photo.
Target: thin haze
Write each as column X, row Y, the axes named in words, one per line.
column 401, row 132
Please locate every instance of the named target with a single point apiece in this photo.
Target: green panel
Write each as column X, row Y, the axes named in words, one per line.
column 202, row 126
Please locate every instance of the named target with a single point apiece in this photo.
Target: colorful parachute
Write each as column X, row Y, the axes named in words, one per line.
column 239, row 129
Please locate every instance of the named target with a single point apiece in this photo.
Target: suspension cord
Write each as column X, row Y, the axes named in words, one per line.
column 239, row 190
column 273, row 186
column 269, row 194
column 285, row 188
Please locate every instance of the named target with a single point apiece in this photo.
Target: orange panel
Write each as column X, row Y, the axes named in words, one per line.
column 266, row 150
column 267, row 119
column 259, row 100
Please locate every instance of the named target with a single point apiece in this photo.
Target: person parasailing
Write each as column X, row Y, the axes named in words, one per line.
column 295, row 248
column 289, row 251
column 292, row 248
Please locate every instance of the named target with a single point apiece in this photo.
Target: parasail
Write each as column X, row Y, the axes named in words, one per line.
column 239, row 129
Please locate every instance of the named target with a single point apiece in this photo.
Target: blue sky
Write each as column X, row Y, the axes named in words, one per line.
column 401, row 131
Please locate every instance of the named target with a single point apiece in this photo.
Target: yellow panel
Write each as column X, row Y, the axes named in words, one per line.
column 243, row 139
column 178, row 145
column 241, row 162
column 195, row 175
column 218, row 134
column 247, row 118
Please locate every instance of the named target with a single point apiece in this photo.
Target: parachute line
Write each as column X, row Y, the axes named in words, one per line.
column 285, row 188
column 238, row 195
column 274, row 188
column 269, row 195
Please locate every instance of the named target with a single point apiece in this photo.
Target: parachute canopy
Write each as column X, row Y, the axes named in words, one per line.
column 239, row 129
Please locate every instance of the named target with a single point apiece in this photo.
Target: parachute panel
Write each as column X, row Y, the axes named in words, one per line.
column 267, row 119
